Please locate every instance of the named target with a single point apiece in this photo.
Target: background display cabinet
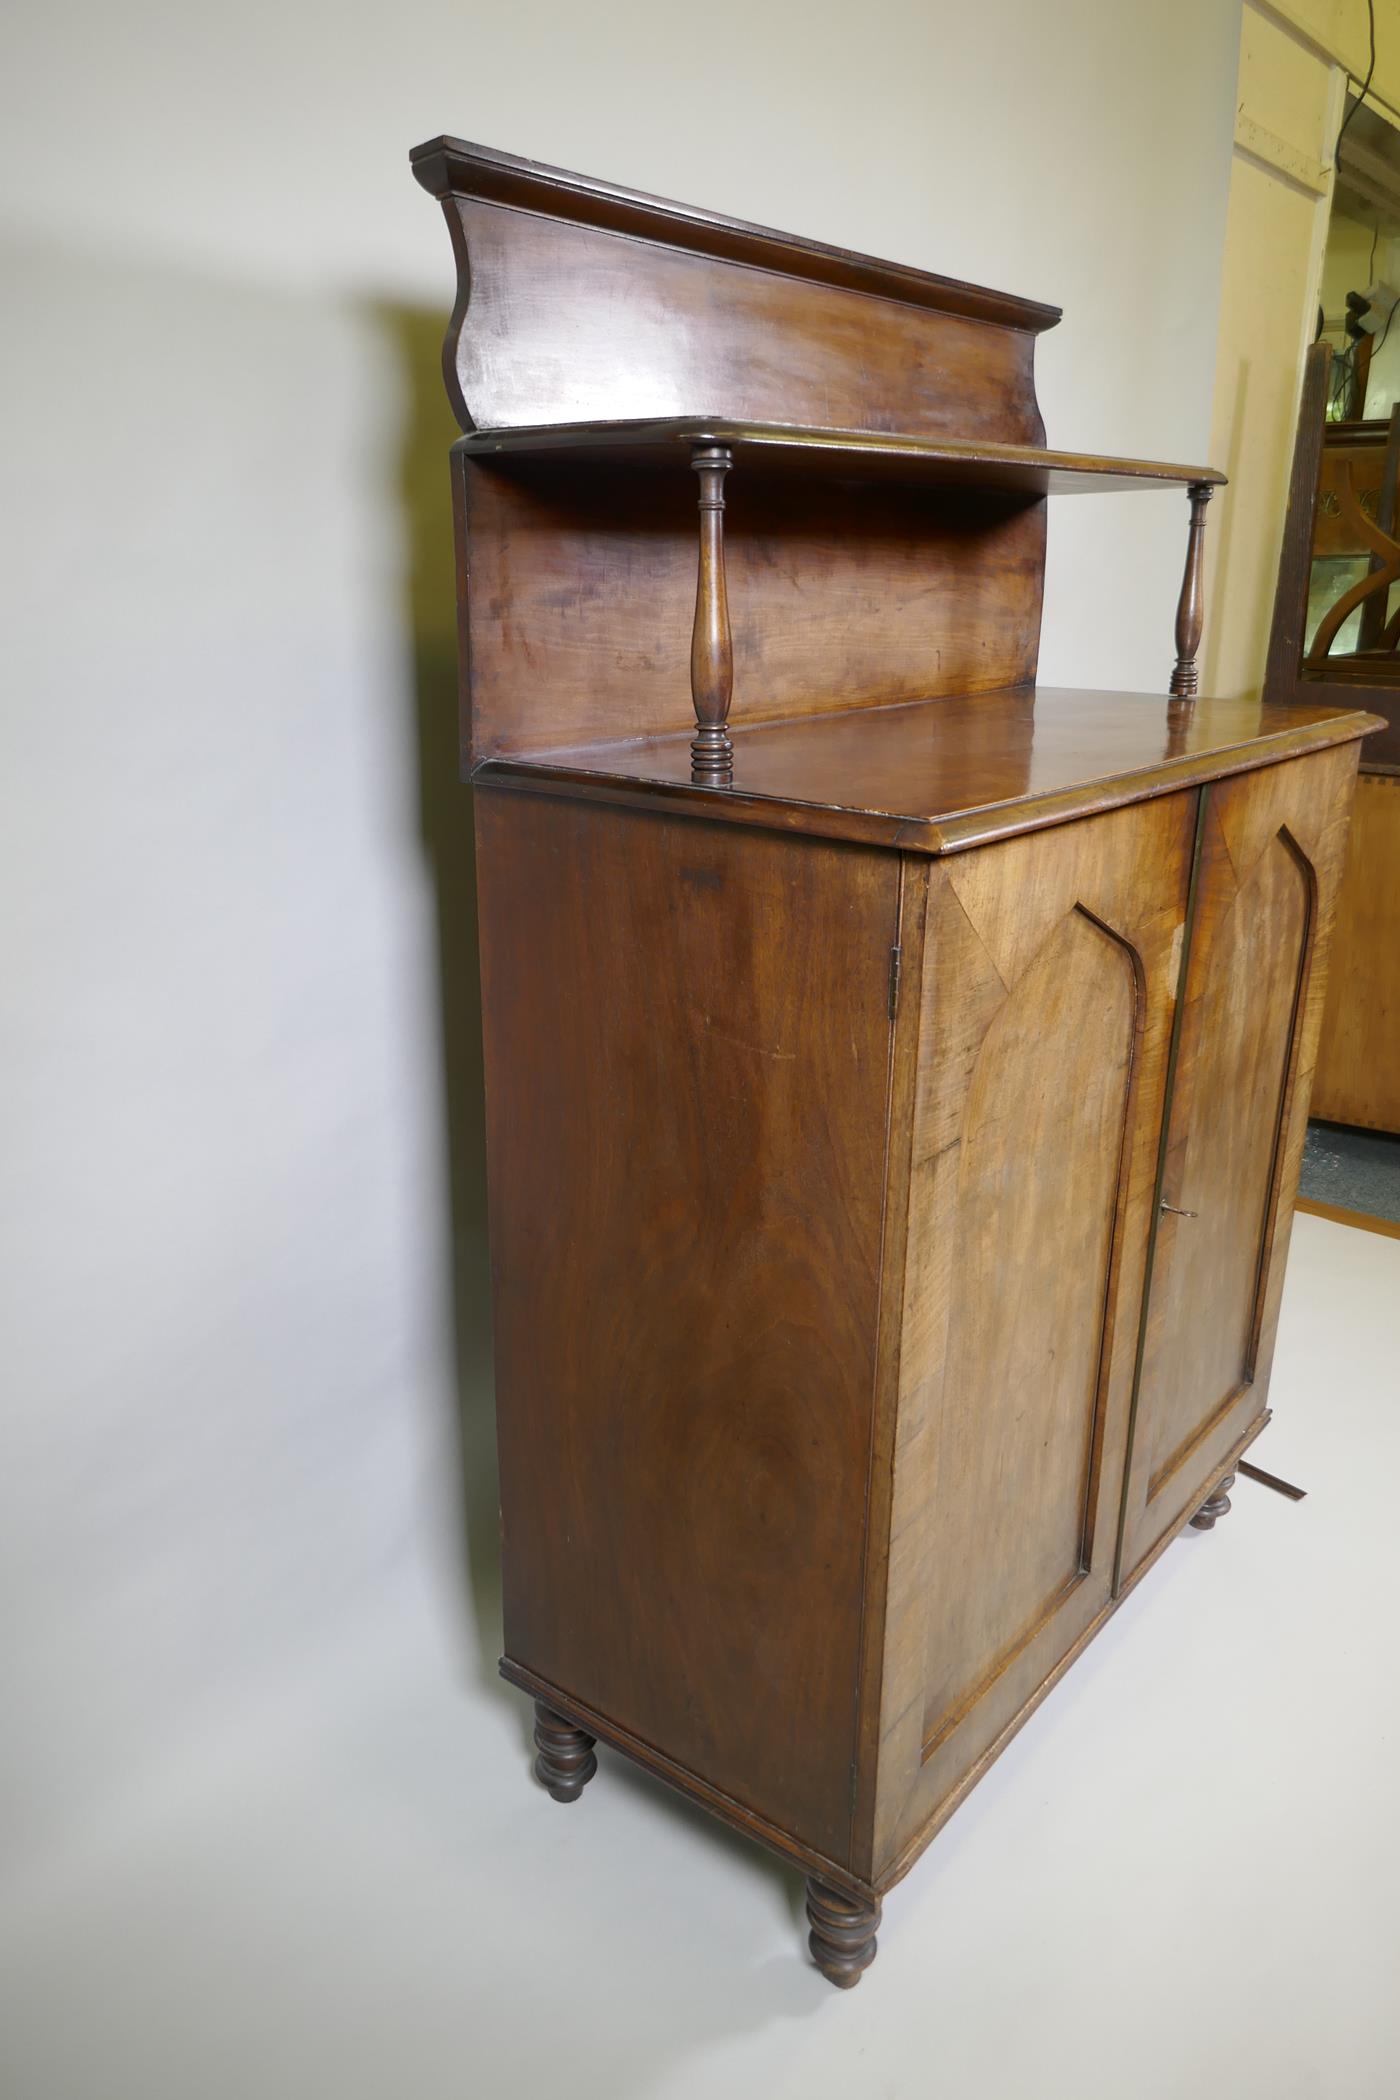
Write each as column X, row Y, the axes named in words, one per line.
column 895, row 1078
column 1335, row 638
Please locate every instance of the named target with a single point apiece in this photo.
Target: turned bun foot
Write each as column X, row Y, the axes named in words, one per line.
column 564, row 1761
column 842, row 1938
column 1215, row 1506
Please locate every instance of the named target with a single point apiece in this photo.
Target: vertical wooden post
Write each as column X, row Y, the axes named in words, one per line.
column 1375, row 607
column 1191, row 605
column 711, row 647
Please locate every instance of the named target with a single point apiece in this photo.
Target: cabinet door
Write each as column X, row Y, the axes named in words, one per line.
column 1268, row 856
column 1048, row 982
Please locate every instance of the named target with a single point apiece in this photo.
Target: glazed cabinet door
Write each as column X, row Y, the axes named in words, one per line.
column 1049, row 971
column 1268, row 858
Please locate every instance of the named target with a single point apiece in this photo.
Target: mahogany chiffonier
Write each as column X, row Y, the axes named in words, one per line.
column 896, row 1083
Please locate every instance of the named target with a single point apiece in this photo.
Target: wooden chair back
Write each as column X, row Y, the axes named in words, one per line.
column 1327, row 514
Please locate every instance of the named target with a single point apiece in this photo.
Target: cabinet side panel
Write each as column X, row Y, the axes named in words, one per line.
column 687, row 1058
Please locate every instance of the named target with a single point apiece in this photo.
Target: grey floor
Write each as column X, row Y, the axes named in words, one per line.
column 1179, row 1878
column 1353, row 1169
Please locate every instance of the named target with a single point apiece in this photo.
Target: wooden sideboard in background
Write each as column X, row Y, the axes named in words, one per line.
column 1342, row 525
column 1358, row 1058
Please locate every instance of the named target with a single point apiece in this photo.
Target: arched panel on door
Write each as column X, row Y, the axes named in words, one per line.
column 1236, row 1108
column 1051, row 1081
column 1222, row 1165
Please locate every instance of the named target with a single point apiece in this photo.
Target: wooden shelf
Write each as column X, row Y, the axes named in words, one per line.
column 939, row 776
column 840, row 455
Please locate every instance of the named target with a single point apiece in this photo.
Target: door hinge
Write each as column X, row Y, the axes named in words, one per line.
column 896, row 964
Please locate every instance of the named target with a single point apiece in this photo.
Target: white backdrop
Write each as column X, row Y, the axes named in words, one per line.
column 230, row 1369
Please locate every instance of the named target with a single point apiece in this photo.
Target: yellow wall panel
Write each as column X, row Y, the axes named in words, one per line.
column 1284, row 97
column 1288, row 104
column 1338, row 29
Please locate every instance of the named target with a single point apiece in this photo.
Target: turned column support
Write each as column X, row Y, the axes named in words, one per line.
column 1191, row 605
column 842, row 1938
column 1215, row 1506
column 711, row 646
column 564, row 1760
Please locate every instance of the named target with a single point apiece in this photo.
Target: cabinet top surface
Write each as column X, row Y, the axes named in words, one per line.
column 938, row 776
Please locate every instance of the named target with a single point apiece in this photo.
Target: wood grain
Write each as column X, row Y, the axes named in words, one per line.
column 1357, row 681
column 579, row 600
column 1269, row 861
column 848, row 1373
column 687, row 1047
column 926, row 1831
column 1216, row 1505
column 1284, row 667
column 1049, row 971
column 1190, row 609
column 692, row 328
column 1051, row 1078
column 1358, row 1059
column 945, row 775
column 976, row 466
column 564, row 1759
column 459, row 168
column 842, row 1939
column 1249, row 954
column 695, row 335
column 711, row 642
column 1356, row 459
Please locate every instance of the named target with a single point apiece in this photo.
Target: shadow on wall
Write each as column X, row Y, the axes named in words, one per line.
column 448, row 836
column 446, row 821
column 445, row 816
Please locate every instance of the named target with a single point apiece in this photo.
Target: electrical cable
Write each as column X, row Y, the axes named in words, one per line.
column 1370, row 71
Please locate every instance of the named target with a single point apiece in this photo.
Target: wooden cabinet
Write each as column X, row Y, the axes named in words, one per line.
column 1048, row 971
column 1358, row 1061
column 895, row 1082
column 1337, row 571
column 1270, row 855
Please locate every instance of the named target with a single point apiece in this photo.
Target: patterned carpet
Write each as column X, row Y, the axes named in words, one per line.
column 1354, row 1169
